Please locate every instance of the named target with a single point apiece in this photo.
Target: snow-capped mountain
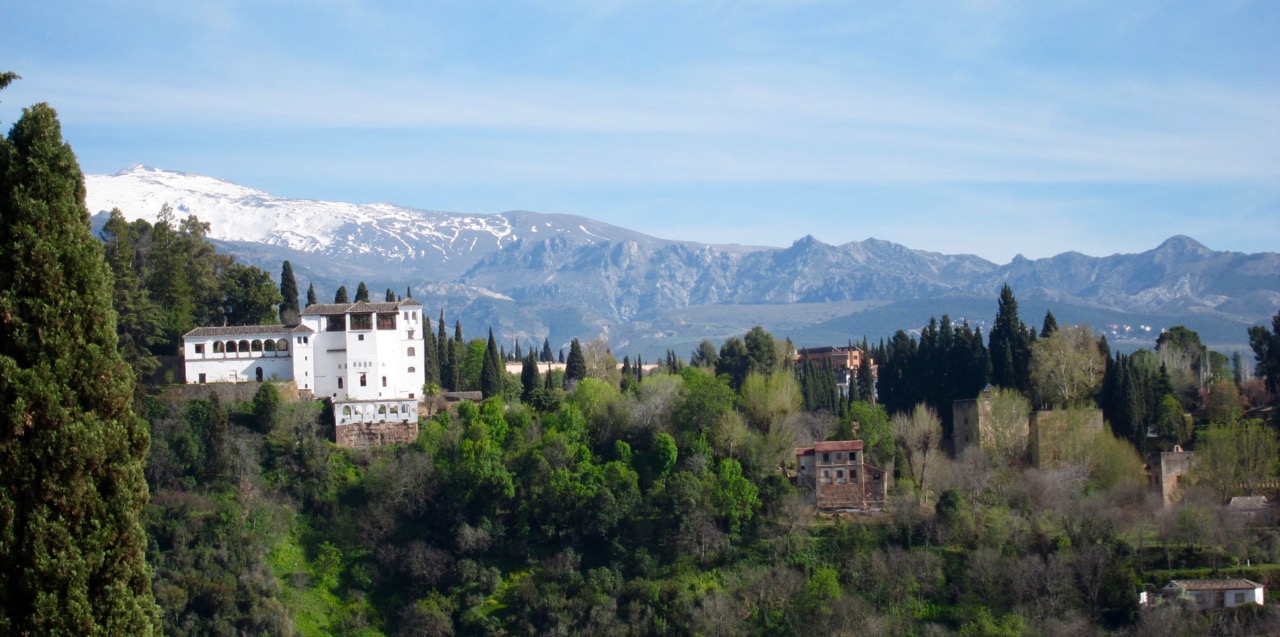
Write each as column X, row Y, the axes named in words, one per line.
column 414, row 241
column 529, row 274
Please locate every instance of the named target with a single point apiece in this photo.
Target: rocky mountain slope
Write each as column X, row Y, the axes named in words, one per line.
column 532, row 274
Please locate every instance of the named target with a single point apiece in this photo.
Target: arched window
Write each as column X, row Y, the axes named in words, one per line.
column 413, row 351
column 230, row 347
column 244, row 346
column 382, row 410
column 395, row 409
column 412, row 370
column 282, row 345
column 339, row 382
column 364, row 380
column 346, row 410
column 218, row 347
column 268, row 345
column 384, row 381
column 255, row 346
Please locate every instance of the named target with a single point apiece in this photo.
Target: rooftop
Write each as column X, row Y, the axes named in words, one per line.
column 248, row 330
column 1214, row 584
column 322, row 309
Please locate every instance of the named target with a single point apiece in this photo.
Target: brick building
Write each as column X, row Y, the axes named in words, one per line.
column 839, row 475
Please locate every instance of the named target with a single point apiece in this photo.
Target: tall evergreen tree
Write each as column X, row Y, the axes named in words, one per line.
column 528, row 377
column 311, row 294
column 1050, row 325
column 430, row 355
column 391, row 296
column 493, row 371
column 575, row 368
column 290, row 313
column 71, row 448
column 457, row 355
column 443, row 350
column 546, row 356
column 362, row 293
column 866, row 378
column 138, row 326
column 1010, row 346
column 341, row 295
column 217, row 440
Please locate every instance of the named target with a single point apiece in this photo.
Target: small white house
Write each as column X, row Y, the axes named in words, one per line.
column 1212, row 594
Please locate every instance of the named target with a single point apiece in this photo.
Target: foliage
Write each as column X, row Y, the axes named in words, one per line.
column 72, row 487
column 1233, row 458
column 1266, row 352
column 1066, row 367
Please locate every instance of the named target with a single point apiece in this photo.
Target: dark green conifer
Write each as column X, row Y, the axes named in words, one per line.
column 362, row 293
column 492, row 371
column 391, row 296
column 290, row 313
column 341, row 295
column 528, row 377
column 575, row 368
column 311, row 294
column 71, row 448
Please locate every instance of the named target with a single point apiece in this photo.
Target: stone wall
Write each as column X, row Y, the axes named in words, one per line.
column 229, row 392
column 839, row 496
column 1166, row 470
column 362, row 435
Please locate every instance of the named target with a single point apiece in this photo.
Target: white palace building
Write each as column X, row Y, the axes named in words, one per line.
column 365, row 357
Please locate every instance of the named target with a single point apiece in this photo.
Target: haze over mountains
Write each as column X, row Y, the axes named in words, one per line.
column 531, row 275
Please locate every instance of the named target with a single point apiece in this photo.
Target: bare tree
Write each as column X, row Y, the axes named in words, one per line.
column 1066, row 367
column 919, row 436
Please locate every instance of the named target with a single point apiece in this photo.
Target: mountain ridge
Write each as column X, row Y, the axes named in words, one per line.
column 536, row 274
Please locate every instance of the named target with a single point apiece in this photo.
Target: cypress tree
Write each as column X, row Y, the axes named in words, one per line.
column 442, row 355
column 290, row 313
column 341, row 295
column 492, row 371
column 430, row 355
column 362, row 293
column 575, row 368
column 217, row 445
column 311, row 294
column 71, row 448
column 1010, row 346
column 391, row 296
column 528, row 377
column 546, row 350
column 1050, row 325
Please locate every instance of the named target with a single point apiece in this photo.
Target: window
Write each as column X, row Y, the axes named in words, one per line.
column 413, row 352
column 256, row 346
column 361, row 321
column 335, row 324
column 218, row 347
column 1239, row 598
column 826, row 458
column 840, row 476
column 244, row 346
column 339, row 382
column 387, row 321
column 199, row 348
column 230, row 347
column 412, row 370
column 364, row 380
column 361, row 337
column 384, row 381
column 282, row 345
column 202, row 379
column 826, row 476
column 268, row 345
column 839, row 456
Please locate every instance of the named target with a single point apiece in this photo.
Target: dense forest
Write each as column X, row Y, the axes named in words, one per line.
column 643, row 499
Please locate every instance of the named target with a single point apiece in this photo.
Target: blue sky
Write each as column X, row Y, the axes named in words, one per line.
column 984, row 127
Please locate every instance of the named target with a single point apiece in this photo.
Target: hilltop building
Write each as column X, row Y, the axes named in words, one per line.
column 843, row 360
column 364, row 357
